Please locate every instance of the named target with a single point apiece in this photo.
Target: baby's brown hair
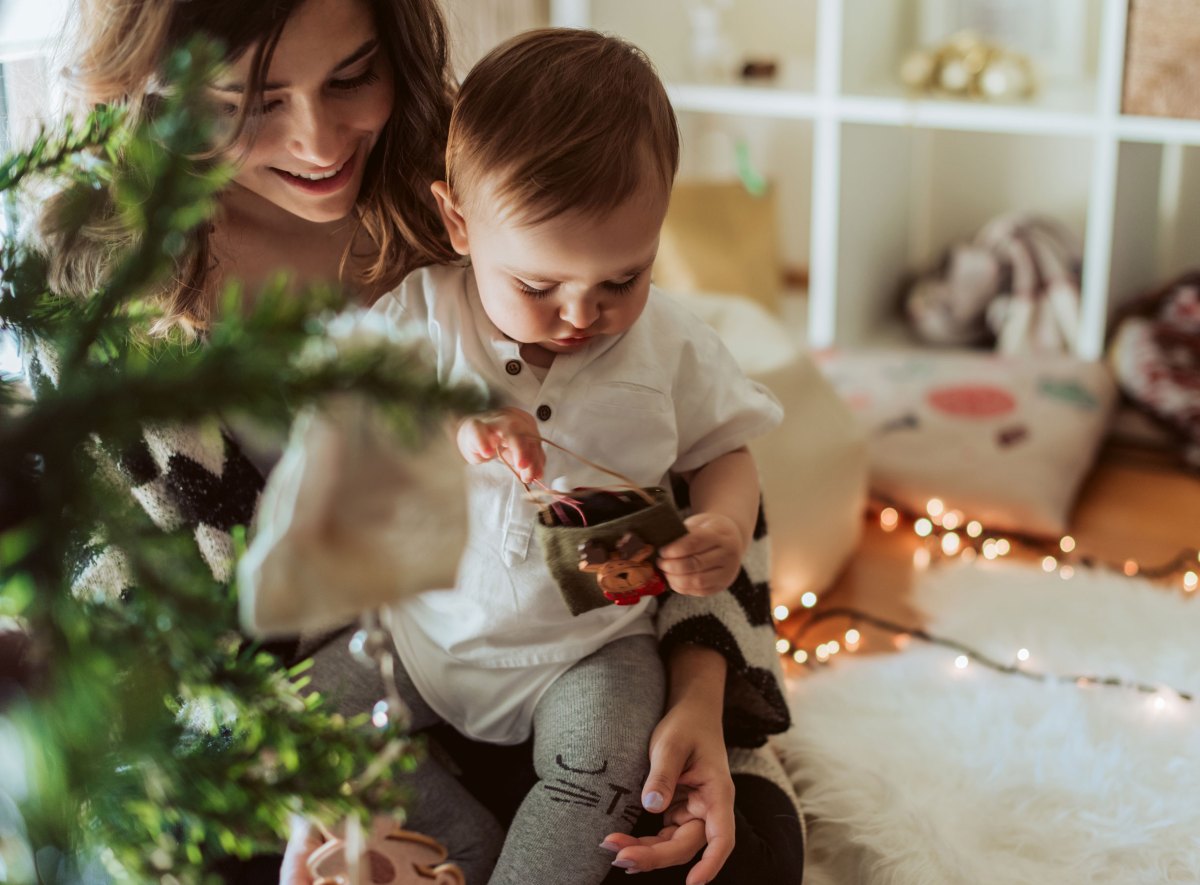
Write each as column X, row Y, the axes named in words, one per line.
column 559, row 120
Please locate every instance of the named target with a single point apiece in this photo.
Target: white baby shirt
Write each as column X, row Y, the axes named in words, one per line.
column 666, row 395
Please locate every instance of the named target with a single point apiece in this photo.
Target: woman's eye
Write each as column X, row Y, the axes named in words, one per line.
column 230, row 110
column 366, row 78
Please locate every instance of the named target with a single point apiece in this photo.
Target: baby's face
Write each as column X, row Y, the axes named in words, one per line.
column 556, row 285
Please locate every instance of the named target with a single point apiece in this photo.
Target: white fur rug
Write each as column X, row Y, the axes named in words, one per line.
column 915, row 772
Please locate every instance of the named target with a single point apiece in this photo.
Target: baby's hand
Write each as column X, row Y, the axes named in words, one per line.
column 510, row 434
column 705, row 560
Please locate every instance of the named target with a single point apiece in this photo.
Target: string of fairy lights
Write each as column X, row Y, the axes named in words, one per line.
column 947, row 534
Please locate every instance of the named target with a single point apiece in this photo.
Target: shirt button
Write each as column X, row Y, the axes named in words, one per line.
column 513, row 367
column 544, row 413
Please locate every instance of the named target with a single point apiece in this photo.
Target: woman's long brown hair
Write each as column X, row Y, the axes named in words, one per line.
column 120, row 47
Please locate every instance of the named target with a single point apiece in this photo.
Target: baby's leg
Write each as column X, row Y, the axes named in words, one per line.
column 442, row 808
column 591, row 733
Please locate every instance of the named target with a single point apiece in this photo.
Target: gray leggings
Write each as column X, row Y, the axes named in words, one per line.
column 591, row 732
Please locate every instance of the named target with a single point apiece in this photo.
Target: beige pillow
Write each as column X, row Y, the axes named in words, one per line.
column 1007, row 441
column 813, row 467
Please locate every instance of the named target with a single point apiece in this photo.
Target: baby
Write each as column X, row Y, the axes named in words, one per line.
column 562, row 152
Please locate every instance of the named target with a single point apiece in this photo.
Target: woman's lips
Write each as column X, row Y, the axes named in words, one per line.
column 321, row 185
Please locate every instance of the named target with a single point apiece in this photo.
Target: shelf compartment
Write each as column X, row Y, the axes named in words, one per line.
column 1065, row 51
column 780, row 150
column 753, row 29
column 893, row 221
column 1156, row 222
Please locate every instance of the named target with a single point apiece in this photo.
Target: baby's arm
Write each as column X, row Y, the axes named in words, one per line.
column 509, row 434
column 724, row 496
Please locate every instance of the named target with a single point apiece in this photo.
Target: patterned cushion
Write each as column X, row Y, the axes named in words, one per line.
column 1007, row 441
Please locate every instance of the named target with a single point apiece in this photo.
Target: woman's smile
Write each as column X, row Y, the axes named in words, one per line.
column 320, row 182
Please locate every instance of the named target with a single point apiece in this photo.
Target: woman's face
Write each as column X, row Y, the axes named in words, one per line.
column 327, row 96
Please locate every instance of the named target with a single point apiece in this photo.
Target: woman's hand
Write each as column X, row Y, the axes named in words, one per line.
column 689, row 776
column 705, row 560
column 509, row 434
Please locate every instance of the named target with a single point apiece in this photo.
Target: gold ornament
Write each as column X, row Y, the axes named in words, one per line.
column 968, row 66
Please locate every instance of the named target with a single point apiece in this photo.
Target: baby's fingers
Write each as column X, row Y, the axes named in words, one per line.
column 527, row 456
column 476, row 441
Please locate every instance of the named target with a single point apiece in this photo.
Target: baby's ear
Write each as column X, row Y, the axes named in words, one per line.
column 452, row 217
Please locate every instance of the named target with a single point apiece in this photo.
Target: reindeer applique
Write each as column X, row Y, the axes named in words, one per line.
column 623, row 574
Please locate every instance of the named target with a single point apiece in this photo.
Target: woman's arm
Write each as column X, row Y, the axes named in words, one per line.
column 687, row 750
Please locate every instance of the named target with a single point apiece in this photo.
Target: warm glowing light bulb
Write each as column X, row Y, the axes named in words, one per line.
column 889, row 518
column 1066, row 572
column 961, row 662
column 923, row 527
column 822, row 654
column 921, row 559
column 952, row 520
column 951, row 543
column 1066, row 544
column 781, row 612
column 1131, row 568
column 1189, row 581
column 834, row 646
column 800, row 656
column 853, row 637
column 782, row 646
column 1022, row 654
column 809, row 599
column 974, row 528
column 989, row 549
column 935, row 507
column 1049, row 564
column 1003, row 547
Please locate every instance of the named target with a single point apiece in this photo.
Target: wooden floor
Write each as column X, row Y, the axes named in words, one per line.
column 1136, row 505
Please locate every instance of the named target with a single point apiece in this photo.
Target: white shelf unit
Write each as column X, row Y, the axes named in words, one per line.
column 891, row 179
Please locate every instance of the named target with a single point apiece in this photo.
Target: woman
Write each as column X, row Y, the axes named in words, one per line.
column 338, row 111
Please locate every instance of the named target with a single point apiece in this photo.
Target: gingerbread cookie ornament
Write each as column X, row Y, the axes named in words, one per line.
column 392, row 856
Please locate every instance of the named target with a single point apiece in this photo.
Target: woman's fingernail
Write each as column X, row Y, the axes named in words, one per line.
column 628, row 866
column 652, row 802
column 610, row 846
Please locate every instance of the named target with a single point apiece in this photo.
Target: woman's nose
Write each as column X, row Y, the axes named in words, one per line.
column 315, row 136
